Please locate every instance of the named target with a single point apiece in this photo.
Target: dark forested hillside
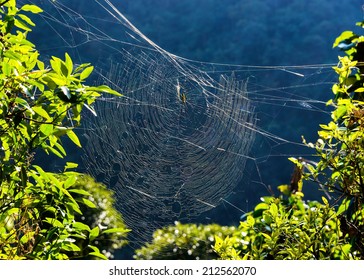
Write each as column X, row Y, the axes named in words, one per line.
column 248, row 32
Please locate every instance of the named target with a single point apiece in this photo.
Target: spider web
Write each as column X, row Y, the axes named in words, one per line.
column 187, row 136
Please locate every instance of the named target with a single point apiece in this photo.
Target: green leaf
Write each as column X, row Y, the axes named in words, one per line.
column 60, row 148
column 70, row 181
column 273, row 209
column 53, row 80
column 81, row 226
column 40, row 65
column 99, row 255
column 12, row 55
column 69, row 63
column 344, row 206
column 46, row 129
column 54, row 222
column 346, row 35
column 24, row 103
column 104, row 89
column 87, row 202
column 7, row 69
column 325, row 201
column 74, row 207
column 12, row 211
column 339, row 112
column 48, row 149
column 96, row 252
column 346, row 248
column 41, row 112
column 63, row 190
column 26, row 19
column 41, row 172
column 218, row 242
column 115, row 230
column 71, row 247
column 80, row 191
column 22, row 25
column 85, row 73
column 250, row 220
column 71, row 135
column 31, row 8
column 25, row 238
column 266, row 236
column 94, row 233
column 56, row 64
column 361, row 89
column 70, row 165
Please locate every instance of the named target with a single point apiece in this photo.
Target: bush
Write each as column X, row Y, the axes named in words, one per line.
column 293, row 229
column 287, row 229
column 39, row 210
column 183, row 242
column 103, row 215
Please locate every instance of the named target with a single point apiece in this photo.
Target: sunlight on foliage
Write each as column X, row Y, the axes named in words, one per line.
column 103, row 215
column 184, row 242
column 340, row 148
column 39, row 105
column 287, row 228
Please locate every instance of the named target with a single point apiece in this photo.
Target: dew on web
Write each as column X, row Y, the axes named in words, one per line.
column 187, row 137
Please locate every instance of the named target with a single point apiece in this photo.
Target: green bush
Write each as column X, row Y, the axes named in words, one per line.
column 104, row 215
column 287, row 228
column 40, row 210
column 183, row 242
column 290, row 228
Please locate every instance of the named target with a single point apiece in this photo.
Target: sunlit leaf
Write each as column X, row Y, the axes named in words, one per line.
column 116, row 230
column 85, row 73
column 69, row 64
column 70, row 165
column 31, row 8
column 22, row 25
column 71, row 135
column 94, row 233
column 81, row 226
column 40, row 111
column 70, row 247
column 54, row 222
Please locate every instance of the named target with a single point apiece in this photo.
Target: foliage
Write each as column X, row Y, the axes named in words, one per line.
column 183, row 242
column 39, row 105
column 287, row 228
column 293, row 229
column 104, row 215
column 340, row 145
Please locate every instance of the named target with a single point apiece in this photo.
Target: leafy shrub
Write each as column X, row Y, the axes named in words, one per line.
column 39, row 210
column 293, row 229
column 287, row 228
column 103, row 215
column 183, row 242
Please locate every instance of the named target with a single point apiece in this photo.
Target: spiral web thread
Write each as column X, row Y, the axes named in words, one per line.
column 168, row 158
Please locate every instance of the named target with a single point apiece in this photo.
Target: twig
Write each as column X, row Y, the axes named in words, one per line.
column 4, row 2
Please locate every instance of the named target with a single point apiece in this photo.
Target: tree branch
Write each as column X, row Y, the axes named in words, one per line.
column 4, row 2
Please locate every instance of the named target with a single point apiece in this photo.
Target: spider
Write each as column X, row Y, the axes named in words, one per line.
column 181, row 96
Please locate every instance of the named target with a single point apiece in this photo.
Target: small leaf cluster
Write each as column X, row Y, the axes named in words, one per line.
column 39, row 105
column 184, row 242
